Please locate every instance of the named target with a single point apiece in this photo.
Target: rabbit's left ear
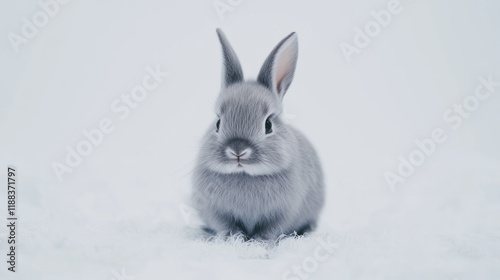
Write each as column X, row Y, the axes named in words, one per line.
column 279, row 67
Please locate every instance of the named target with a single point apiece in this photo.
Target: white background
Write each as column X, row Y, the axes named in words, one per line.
column 119, row 209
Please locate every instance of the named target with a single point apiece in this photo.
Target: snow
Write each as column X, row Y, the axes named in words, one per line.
column 123, row 212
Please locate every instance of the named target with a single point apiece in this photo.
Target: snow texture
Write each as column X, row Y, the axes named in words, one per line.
column 123, row 212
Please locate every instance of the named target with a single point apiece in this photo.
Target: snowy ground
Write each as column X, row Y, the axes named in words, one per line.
column 123, row 212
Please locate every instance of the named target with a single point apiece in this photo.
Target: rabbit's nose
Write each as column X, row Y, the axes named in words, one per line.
column 238, row 148
column 244, row 154
column 238, row 155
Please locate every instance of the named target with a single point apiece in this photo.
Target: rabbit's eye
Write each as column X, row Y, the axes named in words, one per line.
column 217, row 126
column 269, row 126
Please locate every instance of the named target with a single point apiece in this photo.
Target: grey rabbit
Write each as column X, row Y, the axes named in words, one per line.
column 255, row 175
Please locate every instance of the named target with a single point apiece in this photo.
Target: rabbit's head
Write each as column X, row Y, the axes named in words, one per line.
column 248, row 133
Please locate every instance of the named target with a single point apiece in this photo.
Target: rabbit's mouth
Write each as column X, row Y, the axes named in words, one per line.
column 238, row 165
column 250, row 167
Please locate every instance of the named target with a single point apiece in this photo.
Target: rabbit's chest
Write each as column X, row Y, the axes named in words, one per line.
column 256, row 196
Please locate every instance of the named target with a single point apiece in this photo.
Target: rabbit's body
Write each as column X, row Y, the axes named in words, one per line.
column 255, row 174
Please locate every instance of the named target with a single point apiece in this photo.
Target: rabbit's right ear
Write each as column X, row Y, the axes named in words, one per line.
column 231, row 70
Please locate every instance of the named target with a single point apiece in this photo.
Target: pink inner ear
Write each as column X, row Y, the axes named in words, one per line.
column 283, row 65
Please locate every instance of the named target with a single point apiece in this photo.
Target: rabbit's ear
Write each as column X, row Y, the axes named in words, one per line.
column 231, row 70
column 279, row 67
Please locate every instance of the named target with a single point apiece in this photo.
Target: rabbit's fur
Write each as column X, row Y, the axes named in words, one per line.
column 250, row 179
